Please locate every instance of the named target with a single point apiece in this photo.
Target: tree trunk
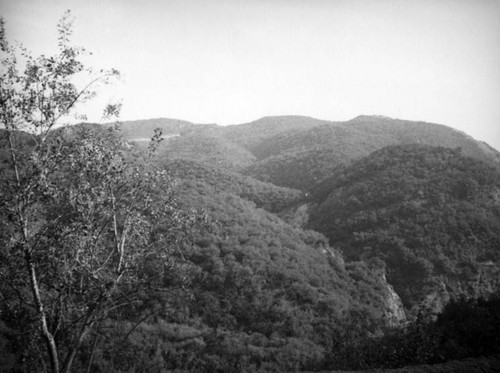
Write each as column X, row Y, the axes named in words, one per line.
column 74, row 349
column 49, row 338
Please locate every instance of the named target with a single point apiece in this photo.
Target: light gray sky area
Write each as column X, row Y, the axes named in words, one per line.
column 230, row 61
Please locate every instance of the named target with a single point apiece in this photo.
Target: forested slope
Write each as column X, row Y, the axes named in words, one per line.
column 431, row 214
column 265, row 295
column 294, row 151
column 285, row 244
column 244, row 290
column 205, row 147
column 303, row 157
column 216, row 180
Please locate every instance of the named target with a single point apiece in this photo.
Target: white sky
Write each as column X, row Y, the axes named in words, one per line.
column 234, row 61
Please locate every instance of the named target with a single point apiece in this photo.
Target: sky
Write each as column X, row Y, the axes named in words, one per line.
column 234, row 61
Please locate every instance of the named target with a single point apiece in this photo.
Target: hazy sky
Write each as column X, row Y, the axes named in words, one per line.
column 229, row 61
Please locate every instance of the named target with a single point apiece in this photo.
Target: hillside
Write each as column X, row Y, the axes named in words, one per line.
column 250, row 135
column 216, row 180
column 430, row 213
column 205, row 147
column 142, row 130
column 294, row 151
column 304, row 245
column 409, row 132
column 277, row 287
column 301, row 158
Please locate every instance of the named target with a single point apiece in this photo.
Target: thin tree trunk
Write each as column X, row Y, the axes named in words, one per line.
column 72, row 353
column 13, row 154
column 87, row 325
column 96, row 340
column 49, row 338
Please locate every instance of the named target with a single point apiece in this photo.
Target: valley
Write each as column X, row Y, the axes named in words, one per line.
column 325, row 245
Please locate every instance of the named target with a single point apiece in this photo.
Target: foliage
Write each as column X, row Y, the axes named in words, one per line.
column 465, row 328
column 102, row 269
column 298, row 152
column 427, row 212
column 216, row 180
column 260, row 275
column 251, row 135
column 302, row 157
column 205, row 147
column 301, row 170
column 80, row 225
column 95, row 223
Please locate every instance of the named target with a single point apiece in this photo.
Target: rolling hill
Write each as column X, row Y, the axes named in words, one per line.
column 298, row 152
column 316, row 156
column 330, row 240
column 302, row 158
column 430, row 213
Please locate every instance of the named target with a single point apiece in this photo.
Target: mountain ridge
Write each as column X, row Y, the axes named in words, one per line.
column 327, row 237
column 269, row 126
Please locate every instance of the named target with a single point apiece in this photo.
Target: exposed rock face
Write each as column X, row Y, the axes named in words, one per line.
column 395, row 312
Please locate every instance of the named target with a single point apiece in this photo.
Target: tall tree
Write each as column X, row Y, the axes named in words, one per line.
column 80, row 221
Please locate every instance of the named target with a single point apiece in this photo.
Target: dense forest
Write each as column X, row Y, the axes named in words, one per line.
column 430, row 214
column 285, row 244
